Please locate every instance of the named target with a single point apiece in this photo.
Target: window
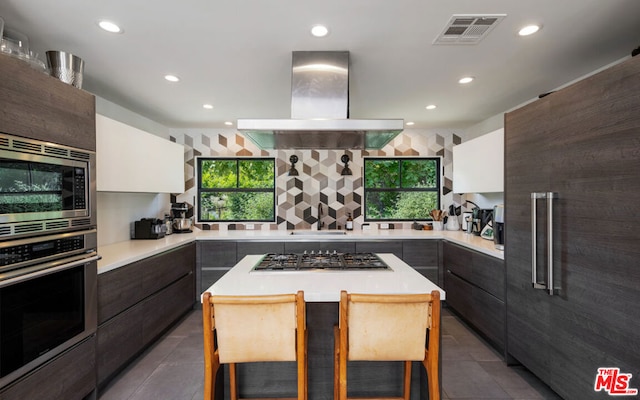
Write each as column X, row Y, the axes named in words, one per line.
column 401, row 189
column 236, row 189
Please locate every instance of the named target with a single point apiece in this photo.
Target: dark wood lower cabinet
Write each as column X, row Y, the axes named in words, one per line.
column 475, row 287
column 70, row 376
column 168, row 280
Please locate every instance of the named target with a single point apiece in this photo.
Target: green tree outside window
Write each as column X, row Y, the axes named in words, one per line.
column 401, row 189
column 235, row 190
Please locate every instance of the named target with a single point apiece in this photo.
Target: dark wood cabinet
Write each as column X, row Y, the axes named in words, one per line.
column 250, row 247
column 423, row 256
column 581, row 144
column 133, row 314
column 475, row 287
column 214, row 258
column 70, row 376
column 38, row 106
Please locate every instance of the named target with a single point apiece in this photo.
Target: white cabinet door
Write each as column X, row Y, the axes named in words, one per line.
column 132, row 160
column 478, row 165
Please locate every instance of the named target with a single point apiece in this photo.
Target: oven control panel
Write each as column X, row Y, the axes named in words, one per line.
column 37, row 250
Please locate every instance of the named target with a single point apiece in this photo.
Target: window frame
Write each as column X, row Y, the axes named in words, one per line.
column 200, row 190
column 437, row 188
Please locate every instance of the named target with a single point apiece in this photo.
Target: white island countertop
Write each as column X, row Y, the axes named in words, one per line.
column 323, row 285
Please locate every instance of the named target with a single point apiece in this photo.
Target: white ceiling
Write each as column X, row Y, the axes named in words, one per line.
column 236, row 54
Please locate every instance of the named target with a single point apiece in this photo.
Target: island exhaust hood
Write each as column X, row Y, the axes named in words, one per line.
column 320, row 110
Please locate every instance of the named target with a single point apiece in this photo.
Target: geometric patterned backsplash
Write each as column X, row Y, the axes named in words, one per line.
column 319, row 179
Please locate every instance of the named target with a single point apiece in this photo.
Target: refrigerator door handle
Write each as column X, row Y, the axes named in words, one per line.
column 549, row 284
column 534, row 245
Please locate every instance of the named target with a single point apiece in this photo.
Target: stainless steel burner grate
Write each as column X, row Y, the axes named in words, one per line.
column 320, row 261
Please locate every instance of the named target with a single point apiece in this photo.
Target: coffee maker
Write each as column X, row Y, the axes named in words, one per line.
column 498, row 226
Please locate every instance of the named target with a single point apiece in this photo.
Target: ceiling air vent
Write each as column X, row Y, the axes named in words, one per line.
column 468, row 29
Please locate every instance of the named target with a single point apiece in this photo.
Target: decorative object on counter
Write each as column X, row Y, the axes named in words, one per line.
column 66, row 67
column 293, row 171
column 417, row 226
column 346, row 170
column 349, row 225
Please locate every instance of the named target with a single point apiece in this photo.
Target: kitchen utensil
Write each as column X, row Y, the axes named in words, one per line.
column 66, row 67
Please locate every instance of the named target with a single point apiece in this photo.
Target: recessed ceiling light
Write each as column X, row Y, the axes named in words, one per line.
column 319, row 31
column 172, row 78
column 410, row 123
column 109, row 26
column 466, row 79
column 229, row 123
column 529, row 30
column 207, row 106
column 430, row 107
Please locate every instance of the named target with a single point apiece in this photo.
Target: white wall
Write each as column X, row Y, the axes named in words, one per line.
column 117, row 211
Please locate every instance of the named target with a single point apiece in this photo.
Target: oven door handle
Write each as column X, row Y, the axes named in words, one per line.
column 35, row 271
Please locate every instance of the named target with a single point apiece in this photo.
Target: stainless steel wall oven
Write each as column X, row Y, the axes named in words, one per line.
column 48, row 258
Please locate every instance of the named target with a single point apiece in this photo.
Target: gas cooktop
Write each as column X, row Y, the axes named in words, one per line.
column 320, row 261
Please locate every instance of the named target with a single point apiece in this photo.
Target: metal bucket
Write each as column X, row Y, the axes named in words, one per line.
column 66, row 67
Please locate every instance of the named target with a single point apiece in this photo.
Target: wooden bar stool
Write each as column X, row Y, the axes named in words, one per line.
column 388, row 328
column 253, row 329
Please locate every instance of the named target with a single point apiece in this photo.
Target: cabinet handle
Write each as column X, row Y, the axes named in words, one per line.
column 549, row 285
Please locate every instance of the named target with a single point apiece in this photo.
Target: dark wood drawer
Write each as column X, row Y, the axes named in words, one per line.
column 247, row 248
column 118, row 290
column 119, row 340
column 69, row 376
column 489, row 274
column 165, row 307
column 459, row 294
column 380, row 246
column 458, row 260
column 166, row 268
column 420, row 252
column 216, row 254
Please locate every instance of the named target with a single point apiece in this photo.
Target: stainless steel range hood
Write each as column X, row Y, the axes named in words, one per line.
column 320, row 110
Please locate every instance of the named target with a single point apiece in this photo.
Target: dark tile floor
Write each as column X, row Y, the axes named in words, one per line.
column 172, row 369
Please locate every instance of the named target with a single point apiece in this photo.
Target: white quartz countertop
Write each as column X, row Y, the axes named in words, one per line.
column 123, row 253
column 323, row 285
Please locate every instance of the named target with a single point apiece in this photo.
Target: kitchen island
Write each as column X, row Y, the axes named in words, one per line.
column 322, row 293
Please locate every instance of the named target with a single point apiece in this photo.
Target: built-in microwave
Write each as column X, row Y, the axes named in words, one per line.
column 44, row 188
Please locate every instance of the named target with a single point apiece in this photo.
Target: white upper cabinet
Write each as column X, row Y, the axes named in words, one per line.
column 478, row 165
column 131, row 160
